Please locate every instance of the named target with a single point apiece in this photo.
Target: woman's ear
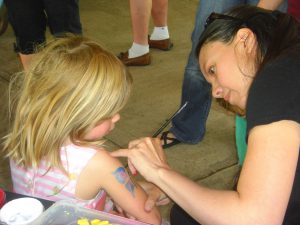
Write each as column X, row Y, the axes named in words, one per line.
column 247, row 38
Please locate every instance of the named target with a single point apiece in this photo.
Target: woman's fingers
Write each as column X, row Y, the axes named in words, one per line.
column 155, row 195
column 144, row 155
column 134, row 143
column 131, row 167
column 120, row 153
column 125, row 153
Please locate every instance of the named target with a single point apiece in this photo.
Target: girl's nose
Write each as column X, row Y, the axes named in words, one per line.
column 116, row 118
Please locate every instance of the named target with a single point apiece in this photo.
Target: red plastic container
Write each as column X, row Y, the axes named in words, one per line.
column 2, row 198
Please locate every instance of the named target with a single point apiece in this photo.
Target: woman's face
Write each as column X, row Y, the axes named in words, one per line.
column 223, row 69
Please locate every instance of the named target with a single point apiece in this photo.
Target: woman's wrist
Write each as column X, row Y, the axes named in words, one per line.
column 162, row 174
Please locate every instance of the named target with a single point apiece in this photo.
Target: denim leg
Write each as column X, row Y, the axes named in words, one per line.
column 284, row 6
column 189, row 125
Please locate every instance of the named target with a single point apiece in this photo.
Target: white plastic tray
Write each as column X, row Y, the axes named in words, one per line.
column 67, row 213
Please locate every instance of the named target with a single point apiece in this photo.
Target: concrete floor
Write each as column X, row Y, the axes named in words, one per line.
column 156, row 93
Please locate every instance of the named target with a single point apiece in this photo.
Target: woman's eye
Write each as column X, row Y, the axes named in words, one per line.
column 211, row 70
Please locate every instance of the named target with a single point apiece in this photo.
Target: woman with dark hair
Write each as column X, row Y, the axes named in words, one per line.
column 251, row 57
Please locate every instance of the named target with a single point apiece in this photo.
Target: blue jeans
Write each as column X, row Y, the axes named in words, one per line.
column 189, row 125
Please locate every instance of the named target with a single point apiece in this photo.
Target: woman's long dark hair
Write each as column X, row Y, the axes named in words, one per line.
column 277, row 33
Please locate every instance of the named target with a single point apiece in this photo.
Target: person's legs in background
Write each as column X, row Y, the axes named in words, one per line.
column 160, row 37
column 141, row 11
column 138, row 54
column 63, row 17
column 28, row 21
column 140, row 15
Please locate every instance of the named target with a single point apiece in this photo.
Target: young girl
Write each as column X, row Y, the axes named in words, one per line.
column 69, row 100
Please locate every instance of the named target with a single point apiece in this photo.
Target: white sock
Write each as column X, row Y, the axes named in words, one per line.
column 137, row 50
column 160, row 33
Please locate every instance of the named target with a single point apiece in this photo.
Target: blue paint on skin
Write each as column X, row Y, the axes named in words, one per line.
column 121, row 175
column 130, row 187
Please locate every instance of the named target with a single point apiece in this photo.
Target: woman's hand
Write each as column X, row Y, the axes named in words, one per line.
column 120, row 212
column 145, row 155
column 155, row 195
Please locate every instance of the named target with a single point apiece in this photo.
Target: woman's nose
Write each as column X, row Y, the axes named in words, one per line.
column 217, row 92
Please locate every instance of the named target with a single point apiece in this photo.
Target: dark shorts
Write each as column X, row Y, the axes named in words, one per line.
column 30, row 18
column 179, row 217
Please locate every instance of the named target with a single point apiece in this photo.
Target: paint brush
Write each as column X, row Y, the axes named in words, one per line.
column 163, row 127
column 169, row 120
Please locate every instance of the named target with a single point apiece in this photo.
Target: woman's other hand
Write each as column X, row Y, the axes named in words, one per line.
column 155, row 195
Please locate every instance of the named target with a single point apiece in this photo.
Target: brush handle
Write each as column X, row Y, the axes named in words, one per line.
column 169, row 120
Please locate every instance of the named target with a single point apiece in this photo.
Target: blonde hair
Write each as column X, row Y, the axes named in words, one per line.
column 71, row 86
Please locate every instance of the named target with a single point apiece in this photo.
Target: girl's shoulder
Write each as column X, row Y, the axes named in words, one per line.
column 94, row 158
column 79, row 151
column 97, row 157
column 102, row 159
column 100, row 169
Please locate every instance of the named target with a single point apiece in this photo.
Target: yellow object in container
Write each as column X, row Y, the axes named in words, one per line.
column 83, row 221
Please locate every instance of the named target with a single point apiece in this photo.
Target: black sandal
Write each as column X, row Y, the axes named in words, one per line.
column 164, row 137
